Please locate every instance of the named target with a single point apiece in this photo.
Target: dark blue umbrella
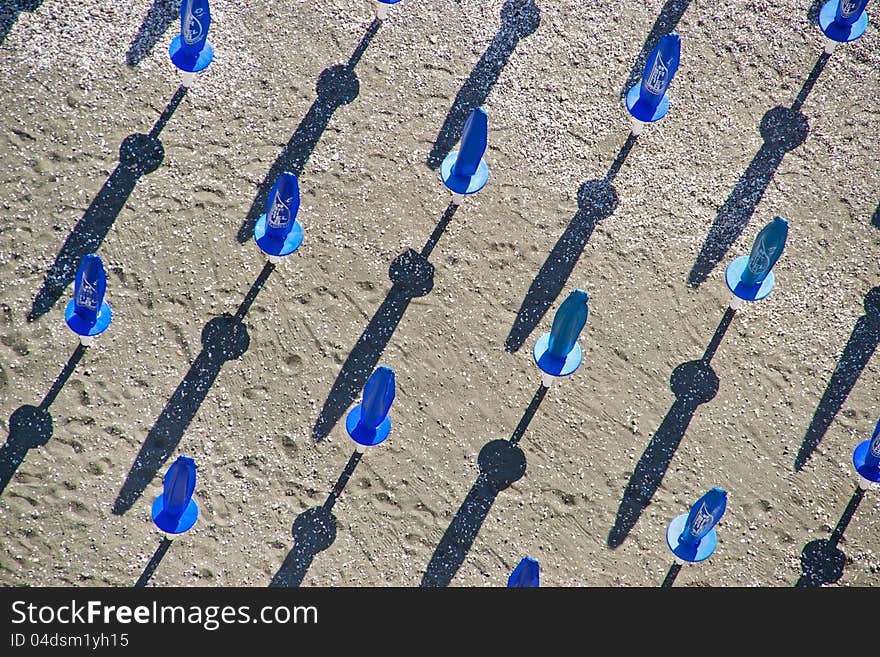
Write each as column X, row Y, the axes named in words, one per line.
column 190, row 50
column 526, row 574
column 647, row 101
column 866, row 459
column 558, row 353
column 368, row 423
column 88, row 313
column 465, row 171
column 750, row 278
column 175, row 511
column 692, row 536
column 842, row 21
column 277, row 232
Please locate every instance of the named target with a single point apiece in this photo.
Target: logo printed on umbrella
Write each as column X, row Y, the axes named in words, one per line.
column 279, row 214
column 656, row 82
column 193, row 29
column 702, row 520
column 87, row 296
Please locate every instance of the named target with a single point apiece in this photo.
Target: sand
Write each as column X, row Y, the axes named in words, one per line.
column 251, row 371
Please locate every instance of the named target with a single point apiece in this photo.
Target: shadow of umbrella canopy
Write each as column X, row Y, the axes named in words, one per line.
column 694, row 382
column 412, row 273
column 314, row 530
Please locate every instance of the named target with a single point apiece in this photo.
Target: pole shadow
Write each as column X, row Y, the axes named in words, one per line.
column 783, row 129
column 224, row 338
column 667, row 19
column 314, row 530
column 813, row 12
column 412, row 275
column 671, row 574
column 9, row 11
column 597, row 200
column 161, row 15
column 164, row 544
column 337, row 85
column 139, row 155
column 519, row 19
column 31, row 426
column 501, row 463
column 862, row 343
column 693, row 383
column 822, row 562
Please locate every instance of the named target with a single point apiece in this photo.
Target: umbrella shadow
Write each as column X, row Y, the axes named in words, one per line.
column 501, row 463
column 9, row 11
column 822, row 562
column 314, row 530
column 224, row 338
column 813, row 11
column 164, row 544
column 161, row 15
column 667, row 19
column 337, row 85
column 31, row 426
column 412, row 275
column 139, row 155
column 875, row 220
column 597, row 200
column 519, row 19
column 782, row 129
column 693, row 383
column 859, row 348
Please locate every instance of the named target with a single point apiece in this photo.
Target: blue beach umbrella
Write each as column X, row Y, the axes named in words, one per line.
column 866, row 459
column 277, row 232
column 368, row 423
column 842, row 21
column 190, row 51
column 692, row 536
column 175, row 511
column 382, row 8
column 558, row 353
column 88, row 313
column 750, row 278
column 526, row 574
column 648, row 100
column 465, row 171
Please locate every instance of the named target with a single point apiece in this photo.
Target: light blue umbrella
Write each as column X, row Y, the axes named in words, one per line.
column 190, row 51
column 692, row 536
column 526, row 574
column 750, row 278
column 647, row 101
column 175, row 511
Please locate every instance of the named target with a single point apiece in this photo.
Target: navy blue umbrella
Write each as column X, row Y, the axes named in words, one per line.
column 526, row 574
column 842, row 21
column 558, row 353
column 175, row 511
column 368, row 423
